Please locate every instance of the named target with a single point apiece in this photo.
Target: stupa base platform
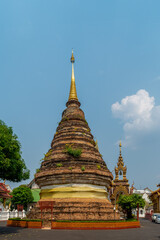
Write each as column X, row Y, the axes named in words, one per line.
column 73, row 209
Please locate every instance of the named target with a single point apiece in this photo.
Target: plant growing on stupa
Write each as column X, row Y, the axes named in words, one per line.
column 93, row 142
column 47, row 155
column 37, row 170
column 70, row 168
column 12, row 166
column 59, row 165
column 75, row 152
column 83, row 168
column 98, row 167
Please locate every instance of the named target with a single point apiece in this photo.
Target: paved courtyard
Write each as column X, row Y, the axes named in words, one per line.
column 148, row 231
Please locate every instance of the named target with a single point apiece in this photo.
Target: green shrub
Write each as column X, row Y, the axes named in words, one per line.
column 96, row 221
column 93, row 142
column 70, row 168
column 98, row 167
column 16, row 219
column 59, row 165
column 76, row 152
column 27, row 220
column 83, row 168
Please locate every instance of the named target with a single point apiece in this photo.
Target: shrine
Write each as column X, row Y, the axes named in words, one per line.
column 73, row 175
column 120, row 184
column 4, row 193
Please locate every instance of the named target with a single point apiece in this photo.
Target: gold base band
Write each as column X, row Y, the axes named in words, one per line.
column 73, row 192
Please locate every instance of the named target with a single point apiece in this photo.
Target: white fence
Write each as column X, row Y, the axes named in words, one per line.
column 5, row 214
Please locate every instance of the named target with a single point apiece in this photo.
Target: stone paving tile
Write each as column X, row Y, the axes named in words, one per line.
column 148, row 231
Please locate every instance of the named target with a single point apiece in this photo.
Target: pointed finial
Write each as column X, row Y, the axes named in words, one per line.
column 120, row 145
column 72, row 57
column 73, row 92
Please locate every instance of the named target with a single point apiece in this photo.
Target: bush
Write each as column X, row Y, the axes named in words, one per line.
column 21, row 195
column 98, row 167
column 16, row 219
column 93, row 142
column 59, row 165
column 37, row 170
column 27, row 220
column 76, row 152
column 129, row 202
column 95, row 221
column 83, row 168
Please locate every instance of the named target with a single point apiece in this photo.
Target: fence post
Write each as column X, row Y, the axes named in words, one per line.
column 16, row 213
column 23, row 213
column 7, row 214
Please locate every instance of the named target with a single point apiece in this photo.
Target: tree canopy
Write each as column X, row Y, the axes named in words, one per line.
column 129, row 202
column 12, row 166
column 21, row 195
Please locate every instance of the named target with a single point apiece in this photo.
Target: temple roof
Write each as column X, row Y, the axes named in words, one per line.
column 4, row 192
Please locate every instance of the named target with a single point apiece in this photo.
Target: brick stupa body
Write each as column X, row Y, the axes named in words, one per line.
column 73, row 174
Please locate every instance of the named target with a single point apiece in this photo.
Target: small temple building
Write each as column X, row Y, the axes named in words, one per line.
column 120, row 184
column 4, row 193
column 73, row 174
column 155, row 197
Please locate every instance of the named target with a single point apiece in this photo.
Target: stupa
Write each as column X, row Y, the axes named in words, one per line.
column 73, row 174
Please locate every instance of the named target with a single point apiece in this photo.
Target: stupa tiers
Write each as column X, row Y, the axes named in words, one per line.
column 73, row 174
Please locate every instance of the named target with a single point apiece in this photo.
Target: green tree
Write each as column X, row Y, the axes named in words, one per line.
column 21, row 195
column 12, row 166
column 129, row 202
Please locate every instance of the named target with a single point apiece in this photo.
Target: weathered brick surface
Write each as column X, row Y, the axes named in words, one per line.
column 60, row 168
column 77, row 209
column 73, row 130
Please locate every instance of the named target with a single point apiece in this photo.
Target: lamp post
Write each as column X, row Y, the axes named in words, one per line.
column 137, row 211
column 114, row 212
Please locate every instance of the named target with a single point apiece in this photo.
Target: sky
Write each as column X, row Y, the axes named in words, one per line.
column 117, row 69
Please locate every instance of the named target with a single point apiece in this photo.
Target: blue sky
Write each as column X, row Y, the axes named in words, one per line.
column 117, row 51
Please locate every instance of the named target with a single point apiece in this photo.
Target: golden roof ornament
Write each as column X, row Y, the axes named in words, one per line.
column 120, row 145
column 73, row 92
column 72, row 57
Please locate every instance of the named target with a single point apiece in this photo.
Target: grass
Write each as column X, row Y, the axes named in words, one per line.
column 93, row 221
column 27, row 220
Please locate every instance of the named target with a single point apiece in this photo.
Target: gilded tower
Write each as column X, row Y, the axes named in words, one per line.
column 120, row 184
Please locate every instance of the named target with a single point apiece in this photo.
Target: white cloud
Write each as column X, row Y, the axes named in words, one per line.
column 139, row 114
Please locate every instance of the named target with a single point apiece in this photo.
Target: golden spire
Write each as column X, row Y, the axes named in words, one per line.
column 73, row 93
column 120, row 145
